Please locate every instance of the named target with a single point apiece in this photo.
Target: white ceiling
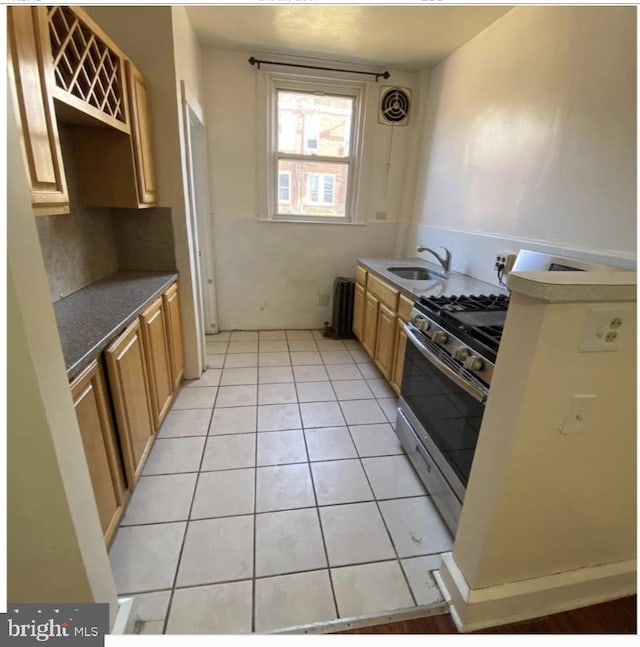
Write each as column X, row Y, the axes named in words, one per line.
column 401, row 37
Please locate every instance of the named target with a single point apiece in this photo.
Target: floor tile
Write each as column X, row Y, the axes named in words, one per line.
column 321, row 414
column 381, row 389
column 234, row 420
column 352, row 390
column 359, row 356
column 215, row 361
column 329, row 443
column 185, row 422
column 273, row 347
column 277, row 393
column 318, row 334
column 315, row 392
column 370, row 589
column 244, row 335
column 241, row 360
column 344, row 372
column 375, row 440
column 217, row 609
column 299, row 335
column 284, row 487
column 144, row 558
column 418, row 572
column 298, row 346
column 238, row 376
column 274, row 374
column 274, row 359
column 229, row 452
column 369, row 371
column 354, row 534
column 362, row 412
column 390, row 408
column 272, row 335
column 242, row 346
column 336, row 357
column 289, row 541
column 225, row 493
column 313, row 373
column 276, row 417
column 416, row 527
column 196, row 398
column 281, row 448
column 340, row 482
column 217, row 550
column 293, row 600
column 305, row 358
column 237, row 396
column 173, row 455
column 352, row 344
column 222, row 335
column 216, row 348
column 330, row 344
column 392, row 477
column 160, row 499
column 210, row 377
column 151, row 610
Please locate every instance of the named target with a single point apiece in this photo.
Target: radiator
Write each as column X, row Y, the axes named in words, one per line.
column 343, row 293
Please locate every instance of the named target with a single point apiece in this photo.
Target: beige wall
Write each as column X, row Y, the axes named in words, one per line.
column 538, row 501
column 531, row 139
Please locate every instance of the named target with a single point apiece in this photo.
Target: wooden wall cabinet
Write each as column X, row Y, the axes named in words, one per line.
column 174, row 333
column 129, row 382
column 90, row 399
column 156, row 351
column 31, row 75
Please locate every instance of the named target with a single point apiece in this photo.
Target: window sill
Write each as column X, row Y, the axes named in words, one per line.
column 301, row 221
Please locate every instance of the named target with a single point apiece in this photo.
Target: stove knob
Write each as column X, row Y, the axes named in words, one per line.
column 473, row 363
column 461, row 353
column 440, row 337
column 420, row 322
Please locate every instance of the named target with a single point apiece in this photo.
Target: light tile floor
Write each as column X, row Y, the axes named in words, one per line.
column 276, row 495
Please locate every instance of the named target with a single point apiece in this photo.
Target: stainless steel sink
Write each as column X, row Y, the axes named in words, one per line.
column 415, row 273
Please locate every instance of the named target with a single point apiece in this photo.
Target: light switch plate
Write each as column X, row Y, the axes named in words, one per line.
column 605, row 330
column 578, row 418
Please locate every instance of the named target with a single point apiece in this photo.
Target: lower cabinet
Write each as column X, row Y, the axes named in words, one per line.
column 174, row 333
column 131, row 399
column 90, row 399
column 398, row 364
column 385, row 341
column 358, row 311
column 369, row 323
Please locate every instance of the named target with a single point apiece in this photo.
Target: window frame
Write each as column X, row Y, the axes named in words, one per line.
column 268, row 176
column 321, row 190
column 288, row 174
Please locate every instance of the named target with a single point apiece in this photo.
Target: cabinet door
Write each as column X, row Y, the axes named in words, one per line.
column 370, row 323
column 31, row 70
column 174, row 329
column 398, row 364
column 156, row 352
column 89, row 395
column 358, row 311
column 131, row 401
column 141, row 133
column 385, row 340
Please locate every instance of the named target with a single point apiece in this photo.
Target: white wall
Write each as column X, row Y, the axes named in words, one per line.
column 531, row 139
column 272, row 275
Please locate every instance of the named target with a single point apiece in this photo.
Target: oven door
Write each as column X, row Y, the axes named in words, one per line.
column 448, row 404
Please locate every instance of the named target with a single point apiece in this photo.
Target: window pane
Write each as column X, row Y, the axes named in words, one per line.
column 314, row 123
column 316, row 188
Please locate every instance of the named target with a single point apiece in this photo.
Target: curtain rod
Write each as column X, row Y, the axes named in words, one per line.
column 257, row 63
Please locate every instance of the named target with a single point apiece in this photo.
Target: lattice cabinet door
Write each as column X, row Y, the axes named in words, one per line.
column 88, row 67
column 30, row 73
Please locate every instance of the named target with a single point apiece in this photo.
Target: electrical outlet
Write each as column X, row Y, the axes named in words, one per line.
column 506, row 260
column 605, row 329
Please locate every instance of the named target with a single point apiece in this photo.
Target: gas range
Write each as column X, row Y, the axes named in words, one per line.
column 467, row 328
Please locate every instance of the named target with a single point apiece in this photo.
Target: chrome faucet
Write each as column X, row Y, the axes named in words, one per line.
column 445, row 262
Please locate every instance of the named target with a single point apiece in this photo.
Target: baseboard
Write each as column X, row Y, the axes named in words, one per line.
column 472, row 610
column 125, row 617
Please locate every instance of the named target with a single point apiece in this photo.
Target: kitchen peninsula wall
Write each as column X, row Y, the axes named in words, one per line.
column 92, row 242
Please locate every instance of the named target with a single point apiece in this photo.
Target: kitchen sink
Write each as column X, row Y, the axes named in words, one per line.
column 415, row 273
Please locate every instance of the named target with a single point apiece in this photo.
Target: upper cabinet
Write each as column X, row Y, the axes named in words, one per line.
column 31, row 74
column 66, row 68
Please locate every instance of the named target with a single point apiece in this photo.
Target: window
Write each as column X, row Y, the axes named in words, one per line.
column 314, row 132
column 284, row 187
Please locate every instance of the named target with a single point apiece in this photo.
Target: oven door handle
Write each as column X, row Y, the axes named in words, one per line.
column 473, row 391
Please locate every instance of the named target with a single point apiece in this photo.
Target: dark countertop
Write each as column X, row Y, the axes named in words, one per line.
column 89, row 319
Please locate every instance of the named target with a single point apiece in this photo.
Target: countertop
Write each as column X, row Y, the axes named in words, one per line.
column 89, row 319
column 453, row 284
column 575, row 287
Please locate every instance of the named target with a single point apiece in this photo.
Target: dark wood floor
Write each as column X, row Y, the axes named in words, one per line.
column 615, row 617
